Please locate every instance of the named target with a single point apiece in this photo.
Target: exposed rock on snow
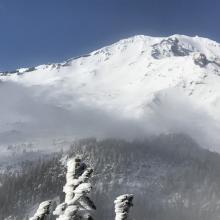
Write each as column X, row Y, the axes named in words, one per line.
column 169, row 47
column 200, row 59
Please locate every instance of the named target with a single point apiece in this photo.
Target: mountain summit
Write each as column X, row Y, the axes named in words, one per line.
column 145, row 84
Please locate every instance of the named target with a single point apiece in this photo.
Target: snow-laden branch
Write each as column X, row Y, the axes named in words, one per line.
column 43, row 211
column 123, row 204
column 77, row 203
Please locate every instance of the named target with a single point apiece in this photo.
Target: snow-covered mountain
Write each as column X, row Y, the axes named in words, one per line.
column 137, row 86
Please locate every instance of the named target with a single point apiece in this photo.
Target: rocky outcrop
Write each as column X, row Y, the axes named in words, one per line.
column 169, row 47
column 200, row 59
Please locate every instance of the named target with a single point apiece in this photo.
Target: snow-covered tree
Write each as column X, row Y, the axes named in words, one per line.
column 77, row 204
column 42, row 211
column 123, row 204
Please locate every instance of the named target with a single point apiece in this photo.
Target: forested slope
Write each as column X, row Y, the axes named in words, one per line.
column 170, row 176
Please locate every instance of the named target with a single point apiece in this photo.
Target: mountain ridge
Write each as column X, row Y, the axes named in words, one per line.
column 125, row 40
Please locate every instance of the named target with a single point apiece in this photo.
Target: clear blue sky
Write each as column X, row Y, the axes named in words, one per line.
column 34, row 32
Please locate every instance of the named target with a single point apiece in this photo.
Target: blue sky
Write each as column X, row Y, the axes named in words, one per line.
column 34, row 32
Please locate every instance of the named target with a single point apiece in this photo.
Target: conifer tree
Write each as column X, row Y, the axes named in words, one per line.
column 123, row 204
column 77, row 204
column 42, row 211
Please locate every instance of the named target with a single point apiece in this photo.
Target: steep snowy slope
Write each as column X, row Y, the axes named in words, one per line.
column 137, row 86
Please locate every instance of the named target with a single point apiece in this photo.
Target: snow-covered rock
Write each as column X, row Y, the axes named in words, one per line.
column 200, row 59
column 170, row 47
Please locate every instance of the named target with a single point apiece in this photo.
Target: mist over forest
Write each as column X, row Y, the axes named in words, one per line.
column 170, row 176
